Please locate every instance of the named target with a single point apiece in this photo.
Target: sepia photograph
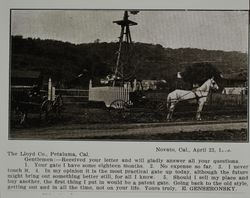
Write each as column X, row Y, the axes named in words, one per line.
column 129, row 75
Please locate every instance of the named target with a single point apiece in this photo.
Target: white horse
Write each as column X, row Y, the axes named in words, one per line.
column 200, row 94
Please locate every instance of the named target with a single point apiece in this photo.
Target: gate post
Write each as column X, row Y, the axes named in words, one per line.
column 53, row 94
column 90, row 84
column 49, row 89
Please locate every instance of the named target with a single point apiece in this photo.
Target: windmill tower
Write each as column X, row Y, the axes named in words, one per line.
column 125, row 41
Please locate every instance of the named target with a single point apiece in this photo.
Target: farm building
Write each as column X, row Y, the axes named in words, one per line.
column 235, row 83
column 234, row 90
column 153, row 84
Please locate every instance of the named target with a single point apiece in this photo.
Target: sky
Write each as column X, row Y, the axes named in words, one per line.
column 213, row 30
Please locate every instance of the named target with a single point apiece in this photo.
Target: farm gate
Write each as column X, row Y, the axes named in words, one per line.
column 109, row 94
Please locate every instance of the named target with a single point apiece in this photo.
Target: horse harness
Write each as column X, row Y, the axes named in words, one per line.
column 197, row 97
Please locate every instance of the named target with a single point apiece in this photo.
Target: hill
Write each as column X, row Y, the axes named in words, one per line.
column 64, row 61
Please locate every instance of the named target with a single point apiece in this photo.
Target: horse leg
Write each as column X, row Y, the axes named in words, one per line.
column 170, row 111
column 199, row 109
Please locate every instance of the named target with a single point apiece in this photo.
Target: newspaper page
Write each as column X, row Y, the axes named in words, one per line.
column 124, row 98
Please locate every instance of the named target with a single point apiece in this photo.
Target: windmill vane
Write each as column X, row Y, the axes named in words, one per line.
column 134, row 12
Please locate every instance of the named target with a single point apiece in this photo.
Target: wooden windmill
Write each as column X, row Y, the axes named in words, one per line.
column 125, row 41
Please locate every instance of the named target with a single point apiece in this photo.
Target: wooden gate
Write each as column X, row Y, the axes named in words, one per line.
column 109, row 94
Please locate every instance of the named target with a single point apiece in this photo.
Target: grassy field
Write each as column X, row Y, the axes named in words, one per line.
column 216, row 136
column 78, row 114
column 91, row 119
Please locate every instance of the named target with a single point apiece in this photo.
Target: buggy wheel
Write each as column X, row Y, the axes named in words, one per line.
column 119, row 104
column 161, row 106
column 57, row 106
column 119, row 109
column 46, row 107
column 161, row 109
column 20, row 116
column 23, row 118
column 43, row 115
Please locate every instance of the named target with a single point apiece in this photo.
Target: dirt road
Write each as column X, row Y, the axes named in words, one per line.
column 210, row 130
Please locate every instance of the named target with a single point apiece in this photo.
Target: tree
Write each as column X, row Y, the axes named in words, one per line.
column 198, row 73
column 97, row 40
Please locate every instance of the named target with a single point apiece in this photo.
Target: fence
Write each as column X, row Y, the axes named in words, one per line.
column 73, row 96
column 227, row 99
column 108, row 94
column 72, row 92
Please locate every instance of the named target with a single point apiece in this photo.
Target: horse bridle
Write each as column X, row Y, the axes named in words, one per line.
column 197, row 96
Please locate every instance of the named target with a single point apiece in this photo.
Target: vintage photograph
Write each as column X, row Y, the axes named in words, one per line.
column 130, row 75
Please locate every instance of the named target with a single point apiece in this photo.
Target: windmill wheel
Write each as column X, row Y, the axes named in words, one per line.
column 119, row 104
column 119, row 109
